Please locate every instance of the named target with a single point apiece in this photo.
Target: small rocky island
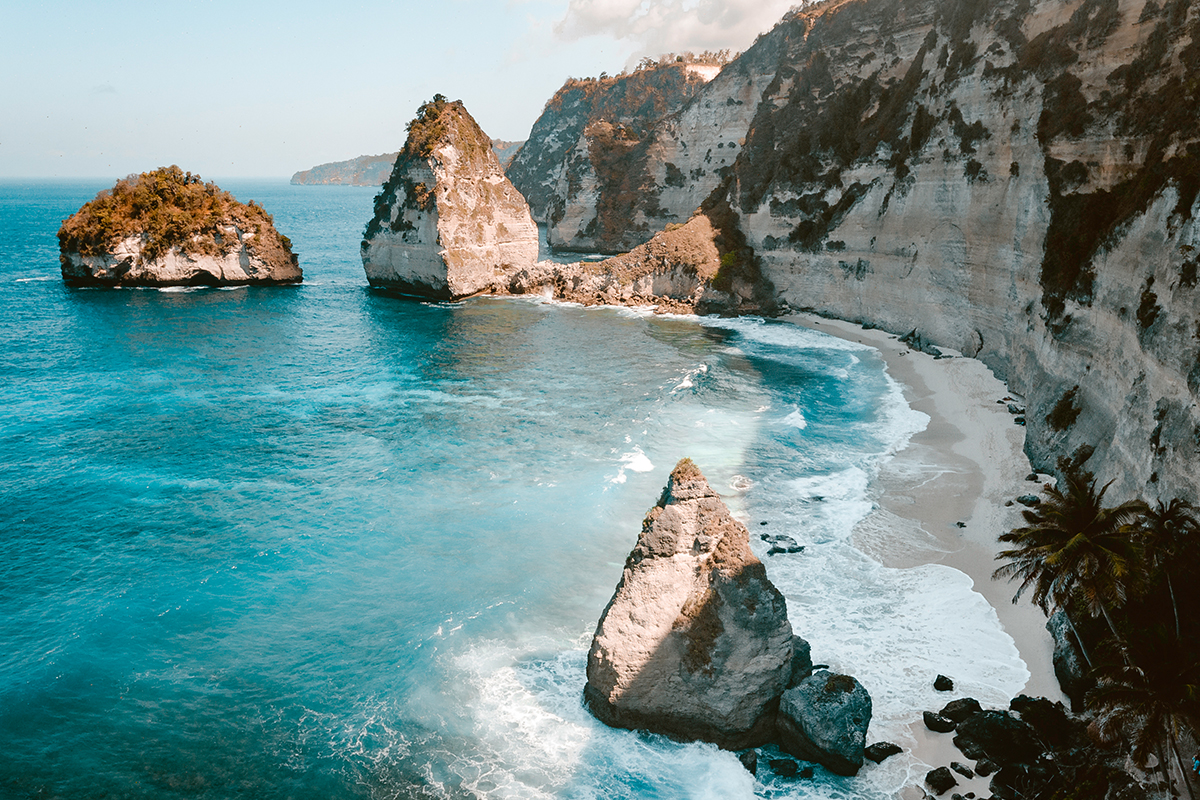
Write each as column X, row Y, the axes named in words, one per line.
column 448, row 221
column 170, row 228
column 696, row 643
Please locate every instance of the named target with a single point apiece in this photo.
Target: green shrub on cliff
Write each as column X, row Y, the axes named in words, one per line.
column 168, row 208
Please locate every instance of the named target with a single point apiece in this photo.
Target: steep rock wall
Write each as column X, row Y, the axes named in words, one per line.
column 584, row 167
column 447, row 222
column 1016, row 180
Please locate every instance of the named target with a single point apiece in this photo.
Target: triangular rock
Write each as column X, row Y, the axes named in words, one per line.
column 447, row 222
column 695, row 642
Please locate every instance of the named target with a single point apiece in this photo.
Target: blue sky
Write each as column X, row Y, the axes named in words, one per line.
column 228, row 88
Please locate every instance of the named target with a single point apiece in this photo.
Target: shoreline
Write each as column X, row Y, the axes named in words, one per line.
column 941, row 500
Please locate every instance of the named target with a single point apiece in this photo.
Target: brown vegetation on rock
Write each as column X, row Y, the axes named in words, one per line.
column 169, row 209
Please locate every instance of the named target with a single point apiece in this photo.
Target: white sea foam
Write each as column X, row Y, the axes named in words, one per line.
column 796, row 419
column 536, row 739
column 635, row 461
column 38, row 278
column 687, row 382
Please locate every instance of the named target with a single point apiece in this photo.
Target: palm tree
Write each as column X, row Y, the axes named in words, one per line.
column 1166, row 529
column 1074, row 546
column 1151, row 706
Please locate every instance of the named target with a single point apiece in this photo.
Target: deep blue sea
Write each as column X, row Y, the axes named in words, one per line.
column 319, row 542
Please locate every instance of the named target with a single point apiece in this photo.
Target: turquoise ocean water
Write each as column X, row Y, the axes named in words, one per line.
column 318, row 542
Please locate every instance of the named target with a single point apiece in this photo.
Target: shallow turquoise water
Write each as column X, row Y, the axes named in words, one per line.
column 315, row 541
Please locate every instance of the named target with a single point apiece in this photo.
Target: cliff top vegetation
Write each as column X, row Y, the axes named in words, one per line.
column 441, row 121
column 652, row 90
column 437, row 122
column 168, row 208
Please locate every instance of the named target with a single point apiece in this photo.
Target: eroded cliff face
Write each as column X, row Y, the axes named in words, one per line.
column 1016, row 180
column 447, row 222
column 585, row 168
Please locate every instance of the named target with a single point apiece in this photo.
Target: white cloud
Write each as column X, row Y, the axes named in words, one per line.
column 662, row 26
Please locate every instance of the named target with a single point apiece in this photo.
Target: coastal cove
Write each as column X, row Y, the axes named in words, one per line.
column 316, row 541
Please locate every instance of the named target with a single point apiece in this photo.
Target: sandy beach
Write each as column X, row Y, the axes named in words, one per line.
column 943, row 498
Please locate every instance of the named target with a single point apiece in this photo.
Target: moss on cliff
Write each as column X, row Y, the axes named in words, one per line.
column 169, row 209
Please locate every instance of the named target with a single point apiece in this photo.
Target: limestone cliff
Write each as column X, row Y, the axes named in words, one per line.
column 168, row 227
column 695, row 642
column 447, row 222
column 1017, row 179
column 583, row 167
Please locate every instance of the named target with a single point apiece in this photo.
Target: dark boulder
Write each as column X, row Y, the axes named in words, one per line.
column 1029, row 500
column 749, row 759
column 958, row 710
column 784, row 767
column 940, row 780
column 1058, row 729
column 881, row 750
column 998, row 736
column 938, row 723
column 824, row 719
column 943, row 684
column 985, row 767
column 962, row 769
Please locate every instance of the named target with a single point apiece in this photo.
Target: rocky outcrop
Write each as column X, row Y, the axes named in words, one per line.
column 1016, row 179
column 586, row 167
column 695, row 642
column 361, row 171
column 695, row 267
column 825, row 719
column 999, row 737
column 170, row 228
column 447, row 222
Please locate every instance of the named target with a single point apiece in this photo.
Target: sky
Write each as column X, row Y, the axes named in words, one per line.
column 243, row 88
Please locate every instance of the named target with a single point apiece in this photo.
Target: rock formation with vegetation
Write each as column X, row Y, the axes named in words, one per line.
column 695, row 642
column 583, row 168
column 447, row 222
column 168, row 227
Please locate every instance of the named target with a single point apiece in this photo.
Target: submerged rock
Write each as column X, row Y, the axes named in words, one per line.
column 824, row 719
column 170, row 228
column 695, row 642
column 447, row 222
